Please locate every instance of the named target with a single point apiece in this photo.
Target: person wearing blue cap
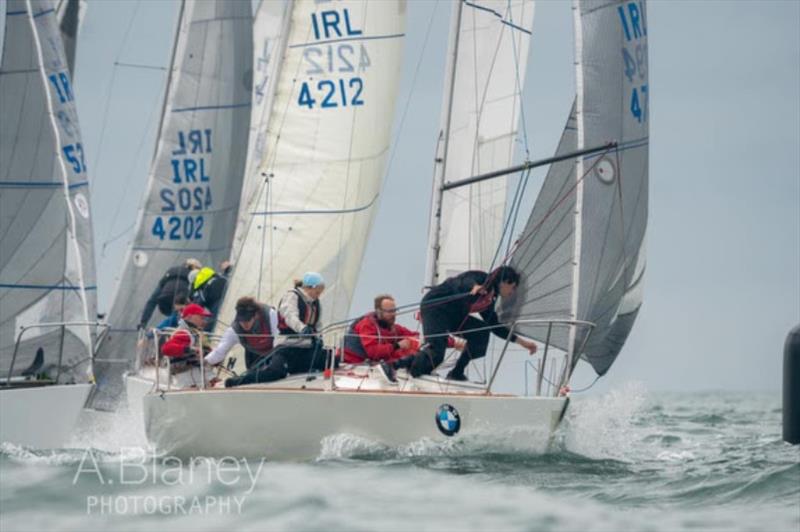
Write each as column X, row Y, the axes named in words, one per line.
column 299, row 347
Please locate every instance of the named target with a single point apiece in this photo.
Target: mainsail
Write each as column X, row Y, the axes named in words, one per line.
column 581, row 252
column 192, row 195
column 46, row 248
column 488, row 51
column 327, row 139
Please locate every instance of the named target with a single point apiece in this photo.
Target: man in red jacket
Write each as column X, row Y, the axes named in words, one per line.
column 186, row 338
column 375, row 336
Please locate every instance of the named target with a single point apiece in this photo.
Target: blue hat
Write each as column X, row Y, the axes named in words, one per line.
column 312, row 279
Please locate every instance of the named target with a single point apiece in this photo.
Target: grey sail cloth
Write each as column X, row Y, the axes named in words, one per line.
column 192, row 196
column 545, row 249
column 46, row 248
column 592, row 275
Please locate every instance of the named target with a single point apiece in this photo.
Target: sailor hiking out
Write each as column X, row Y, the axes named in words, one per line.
column 446, row 309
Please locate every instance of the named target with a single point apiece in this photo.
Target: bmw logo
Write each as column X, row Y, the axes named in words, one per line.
column 447, row 420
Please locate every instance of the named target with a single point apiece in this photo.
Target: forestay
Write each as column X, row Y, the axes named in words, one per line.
column 194, row 185
column 487, row 57
column 581, row 252
column 46, row 249
column 327, row 140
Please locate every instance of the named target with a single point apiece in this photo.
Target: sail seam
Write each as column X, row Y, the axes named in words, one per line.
column 43, row 185
column 349, row 39
column 46, row 287
column 320, row 211
column 211, row 107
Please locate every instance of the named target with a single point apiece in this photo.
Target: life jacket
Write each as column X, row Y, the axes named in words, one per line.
column 259, row 339
column 309, row 314
column 352, row 341
column 202, row 277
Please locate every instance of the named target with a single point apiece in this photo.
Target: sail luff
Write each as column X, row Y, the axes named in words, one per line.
column 72, row 228
column 440, row 163
column 263, row 98
column 167, row 90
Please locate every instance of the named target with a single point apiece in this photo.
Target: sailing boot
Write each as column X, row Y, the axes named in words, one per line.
column 457, row 373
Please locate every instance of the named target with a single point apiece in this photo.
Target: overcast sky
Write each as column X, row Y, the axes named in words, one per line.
column 723, row 257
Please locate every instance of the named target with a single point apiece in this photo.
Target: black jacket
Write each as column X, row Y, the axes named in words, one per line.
column 173, row 283
column 449, row 303
column 210, row 293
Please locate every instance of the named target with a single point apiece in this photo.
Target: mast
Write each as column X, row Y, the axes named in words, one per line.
column 440, row 165
column 579, row 87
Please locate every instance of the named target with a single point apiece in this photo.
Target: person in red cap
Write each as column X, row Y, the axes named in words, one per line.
column 186, row 339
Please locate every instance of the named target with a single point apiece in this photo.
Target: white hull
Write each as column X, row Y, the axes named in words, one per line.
column 284, row 422
column 43, row 417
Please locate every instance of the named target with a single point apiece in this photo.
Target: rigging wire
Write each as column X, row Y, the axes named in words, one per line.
column 411, row 92
column 109, row 89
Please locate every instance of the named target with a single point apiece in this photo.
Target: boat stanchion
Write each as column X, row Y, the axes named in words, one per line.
column 791, row 387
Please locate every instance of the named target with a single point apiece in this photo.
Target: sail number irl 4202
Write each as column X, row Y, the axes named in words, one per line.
column 333, row 59
column 634, row 54
column 186, row 198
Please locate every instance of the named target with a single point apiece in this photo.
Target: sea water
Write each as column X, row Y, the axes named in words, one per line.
column 627, row 459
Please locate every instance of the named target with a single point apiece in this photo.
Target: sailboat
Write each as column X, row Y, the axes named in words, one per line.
column 191, row 200
column 47, row 277
column 580, row 255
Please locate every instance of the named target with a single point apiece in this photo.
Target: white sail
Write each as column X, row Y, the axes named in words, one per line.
column 488, row 53
column 194, row 185
column 46, row 248
column 270, row 25
column 581, row 253
column 327, row 140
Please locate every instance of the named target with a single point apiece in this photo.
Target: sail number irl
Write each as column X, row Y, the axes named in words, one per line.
column 188, row 196
column 335, row 60
column 634, row 54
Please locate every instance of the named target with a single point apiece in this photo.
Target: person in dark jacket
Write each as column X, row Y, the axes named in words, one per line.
column 174, row 283
column 446, row 309
column 208, row 289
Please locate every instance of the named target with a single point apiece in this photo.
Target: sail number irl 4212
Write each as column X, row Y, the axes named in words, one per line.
column 331, row 56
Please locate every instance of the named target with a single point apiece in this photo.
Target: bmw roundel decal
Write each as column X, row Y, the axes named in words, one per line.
column 447, row 420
